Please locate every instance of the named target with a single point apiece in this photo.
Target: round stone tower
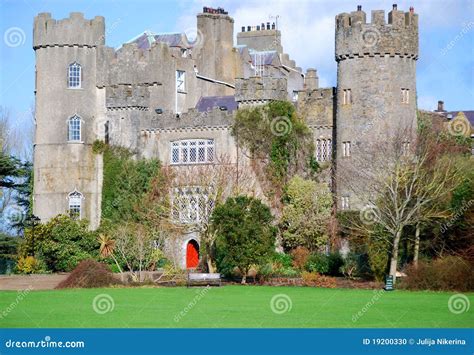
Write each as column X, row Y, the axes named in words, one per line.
column 67, row 174
column 376, row 85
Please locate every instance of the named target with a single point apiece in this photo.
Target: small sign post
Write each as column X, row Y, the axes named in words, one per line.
column 389, row 283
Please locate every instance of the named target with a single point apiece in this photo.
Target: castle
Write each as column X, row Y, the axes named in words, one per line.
column 166, row 97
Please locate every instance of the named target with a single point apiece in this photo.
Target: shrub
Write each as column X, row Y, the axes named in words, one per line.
column 245, row 234
column 335, row 262
column 282, row 260
column 30, row 265
column 300, row 257
column 61, row 242
column 349, row 268
column 88, row 274
column 451, row 273
column 378, row 257
column 316, row 280
column 318, row 263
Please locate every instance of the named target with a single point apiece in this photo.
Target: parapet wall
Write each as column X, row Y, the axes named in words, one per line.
column 191, row 119
column 127, row 96
column 260, row 89
column 357, row 38
column 72, row 31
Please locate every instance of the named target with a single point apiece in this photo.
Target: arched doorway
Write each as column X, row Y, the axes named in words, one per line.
column 192, row 254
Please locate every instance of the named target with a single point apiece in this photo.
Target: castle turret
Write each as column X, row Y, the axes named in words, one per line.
column 67, row 174
column 376, row 82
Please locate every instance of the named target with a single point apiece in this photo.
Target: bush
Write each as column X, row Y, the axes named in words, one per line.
column 300, row 257
column 30, row 265
column 282, row 260
column 61, row 243
column 318, row 263
column 88, row 274
column 245, row 234
column 316, row 280
column 349, row 268
column 451, row 273
column 335, row 262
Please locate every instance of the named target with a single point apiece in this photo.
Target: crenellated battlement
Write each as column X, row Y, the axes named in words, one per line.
column 114, row 65
column 356, row 37
column 72, row 31
column 258, row 89
column 127, row 97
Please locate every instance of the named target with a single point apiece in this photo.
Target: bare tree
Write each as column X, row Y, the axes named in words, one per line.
column 394, row 188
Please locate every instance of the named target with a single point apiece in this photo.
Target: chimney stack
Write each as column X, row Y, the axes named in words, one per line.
column 359, row 7
column 395, row 7
column 440, row 106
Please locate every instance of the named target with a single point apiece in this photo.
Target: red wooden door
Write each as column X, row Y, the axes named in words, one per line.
column 192, row 255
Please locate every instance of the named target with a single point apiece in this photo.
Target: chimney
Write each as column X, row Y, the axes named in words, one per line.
column 440, row 106
column 243, row 28
column 394, row 7
column 412, row 10
column 268, row 25
column 359, row 7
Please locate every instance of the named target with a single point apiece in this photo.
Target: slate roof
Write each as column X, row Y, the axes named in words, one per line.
column 147, row 38
column 209, row 102
column 469, row 115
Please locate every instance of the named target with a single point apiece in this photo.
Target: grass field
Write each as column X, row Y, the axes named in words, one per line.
column 231, row 306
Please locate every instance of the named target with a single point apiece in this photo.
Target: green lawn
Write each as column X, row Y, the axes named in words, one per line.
column 230, row 306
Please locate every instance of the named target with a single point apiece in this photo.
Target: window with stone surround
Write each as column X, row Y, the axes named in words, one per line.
column 75, row 204
column 74, row 76
column 74, row 129
column 191, row 204
column 347, row 97
column 346, row 149
column 192, row 151
column 405, row 96
column 345, row 203
column 180, row 81
column 323, row 149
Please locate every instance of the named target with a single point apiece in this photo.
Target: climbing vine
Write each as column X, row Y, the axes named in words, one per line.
column 279, row 139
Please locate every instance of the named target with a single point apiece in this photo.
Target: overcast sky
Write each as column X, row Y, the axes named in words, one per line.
column 445, row 68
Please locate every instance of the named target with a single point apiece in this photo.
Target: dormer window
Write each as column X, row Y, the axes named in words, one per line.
column 74, row 76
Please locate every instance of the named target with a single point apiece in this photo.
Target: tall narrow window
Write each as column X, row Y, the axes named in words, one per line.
column 180, row 81
column 345, row 202
column 405, row 96
column 323, row 149
column 75, row 204
column 347, row 97
column 74, row 76
column 74, row 129
column 406, row 148
column 346, row 149
column 294, row 97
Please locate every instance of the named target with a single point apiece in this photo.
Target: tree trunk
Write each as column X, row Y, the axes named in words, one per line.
column 417, row 246
column 394, row 259
column 210, row 267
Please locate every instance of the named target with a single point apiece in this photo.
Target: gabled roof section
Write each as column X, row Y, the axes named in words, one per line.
column 146, row 39
column 469, row 115
column 207, row 103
